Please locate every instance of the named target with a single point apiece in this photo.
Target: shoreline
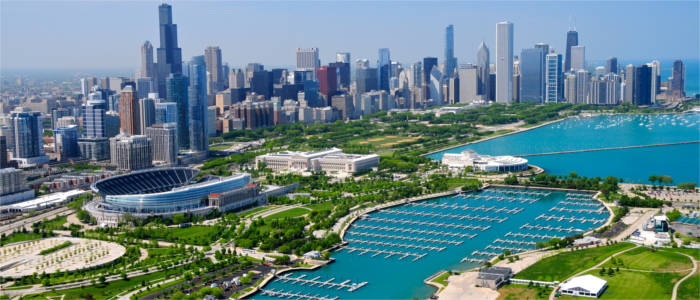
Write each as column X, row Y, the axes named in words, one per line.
column 518, row 130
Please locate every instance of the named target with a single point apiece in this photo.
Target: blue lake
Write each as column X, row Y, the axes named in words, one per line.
column 682, row 162
column 395, row 249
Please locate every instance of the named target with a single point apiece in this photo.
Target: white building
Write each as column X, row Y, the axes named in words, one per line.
column 585, row 286
column 331, row 160
column 486, row 163
column 504, row 62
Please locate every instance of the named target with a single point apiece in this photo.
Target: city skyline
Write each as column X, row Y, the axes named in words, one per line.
column 198, row 28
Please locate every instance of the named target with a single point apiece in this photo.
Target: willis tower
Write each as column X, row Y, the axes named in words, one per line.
column 169, row 54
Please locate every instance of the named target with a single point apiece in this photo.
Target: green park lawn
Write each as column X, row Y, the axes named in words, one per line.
column 522, row 292
column 321, row 206
column 290, row 213
column 637, row 285
column 645, row 259
column 54, row 224
column 567, row 263
column 695, row 253
column 255, row 210
column 690, row 288
column 98, row 291
column 20, row 237
column 442, row 279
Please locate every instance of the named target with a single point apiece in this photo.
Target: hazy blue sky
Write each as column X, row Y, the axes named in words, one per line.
column 108, row 34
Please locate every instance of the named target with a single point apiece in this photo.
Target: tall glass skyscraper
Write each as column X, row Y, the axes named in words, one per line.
column 450, row 59
column 428, row 64
column 482, row 58
column 94, row 119
column 571, row 40
column 169, row 54
column 197, row 97
column 532, row 75
column 384, row 68
column 504, row 62
column 554, row 82
column 177, row 92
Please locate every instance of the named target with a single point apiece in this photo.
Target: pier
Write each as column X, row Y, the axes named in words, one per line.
column 351, row 287
column 609, row 148
column 407, row 238
column 533, row 236
column 570, row 219
column 600, row 210
column 297, row 295
column 551, row 228
column 502, row 248
column 380, row 243
column 389, row 253
column 435, row 224
column 420, row 231
column 580, row 203
column 500, row 241
column 454, row 206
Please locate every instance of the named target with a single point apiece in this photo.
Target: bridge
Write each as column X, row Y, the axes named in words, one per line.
column 609, row 148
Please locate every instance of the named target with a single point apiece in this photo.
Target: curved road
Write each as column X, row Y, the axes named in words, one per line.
column 695, row 269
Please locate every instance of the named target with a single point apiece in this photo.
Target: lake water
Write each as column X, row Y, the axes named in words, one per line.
column 395, row 249
column 682, row 162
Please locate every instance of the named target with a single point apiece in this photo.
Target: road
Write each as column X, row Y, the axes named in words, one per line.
column 27, row 222
column 636, row 225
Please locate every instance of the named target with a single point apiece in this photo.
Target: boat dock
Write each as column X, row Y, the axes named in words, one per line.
column 380, row 243
column 436, row 224
column 389, row 253
column 297, row 295
column 580, row 203
column 570, row 219
column 534, row 236
column 407, row 238
column 550, row 228
column 500, row 241
column 600, row 210
column 420, row 231
column 351, row 287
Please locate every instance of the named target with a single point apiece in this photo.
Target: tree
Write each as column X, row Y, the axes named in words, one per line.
column 123, row 275
column 102, row 278
column 511, row 180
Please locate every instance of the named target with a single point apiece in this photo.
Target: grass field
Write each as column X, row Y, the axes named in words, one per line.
column 219, row 147
column 54, row 224
column 255, row 210
column 290, row 213
column 522, row 292
column 321, row 206
column 695, row 253
column 20, row 237
column 385, row 141
column 442, row 279
column 98, row 291
column 195, row 235
column 690, row 288
column 645, row 259
column 637, row 285
column 565, row 264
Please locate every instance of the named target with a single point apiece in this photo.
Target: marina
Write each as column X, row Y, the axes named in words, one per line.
column 402, row 245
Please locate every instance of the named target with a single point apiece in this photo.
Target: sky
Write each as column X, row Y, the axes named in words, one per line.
column 108, row 34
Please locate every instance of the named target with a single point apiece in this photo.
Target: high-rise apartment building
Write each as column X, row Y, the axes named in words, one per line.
column 66, row 142
column 169, row 54
column 27, row 131
column 164, row 140
column 504, row 62
column 3, row 152
column 147, row 114
column 197, row 98
column 328, row 81
column 94, row 119
column 215, row 76
column 630, row 72
column 578, row 57
column 571, row 40
column 553, row 78
column 129, row 110
column 677, row 80
column 177, row 93
column 130, row 153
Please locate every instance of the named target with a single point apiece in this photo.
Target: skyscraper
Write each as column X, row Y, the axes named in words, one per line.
column 578, row 57
column 450, row 59
column 147, row 65
column 147, row 114
column 169, row 54
column 129, row 109
column 328, row 81
column 236, row 79
column 27, row 131
column 164, row 140
column 428, row 64
column 630, row 71
column 553, row 75
column 642, row 85
column 197, row 98
column 582, row 83
column 469, row 76
column 215, row 76
column 166, row 112
column 261, row 83
column 3, row 152
column 384, row 68
column 611, row 65
column 66, row 142
column 532, row 74
column 677, row 88
column 94, row 119
column 131, row 152
column 307, row 60
column 177, row 93
column 482, row 58
column 343, row 70
column 571, row 40
column 504, row 62
column 343, row 57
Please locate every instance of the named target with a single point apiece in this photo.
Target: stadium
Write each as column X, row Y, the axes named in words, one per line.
column 159, row 192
